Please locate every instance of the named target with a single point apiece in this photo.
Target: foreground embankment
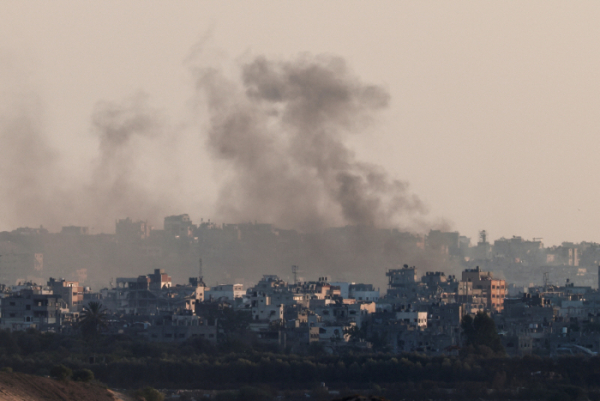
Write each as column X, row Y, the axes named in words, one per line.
column 21, row 387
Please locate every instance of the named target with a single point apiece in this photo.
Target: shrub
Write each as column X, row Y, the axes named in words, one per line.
column 61, row 372
column 83, row 375
column 150, row 394
column 6, row 369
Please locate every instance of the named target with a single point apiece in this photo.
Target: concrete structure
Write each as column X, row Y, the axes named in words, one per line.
column 225, row 292
column 127, row 230
column 264, row 310
column 402, row 283
column 178, row 328
column 482, row 285
column 26, row 309
column 412, row 318
column 70, row 292
column 179, row 226
column 363, row 292
column 75, row 230
column 18, row 265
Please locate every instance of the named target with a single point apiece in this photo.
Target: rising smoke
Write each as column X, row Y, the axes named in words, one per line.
column 119, row 184
column 39, row 184
column 278, row 133
column 282, row 132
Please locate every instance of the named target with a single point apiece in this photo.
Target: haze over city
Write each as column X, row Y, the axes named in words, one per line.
column 282, row 201
column 458, row 116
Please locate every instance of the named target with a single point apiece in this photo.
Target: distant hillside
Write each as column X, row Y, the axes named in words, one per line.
column 21, row 387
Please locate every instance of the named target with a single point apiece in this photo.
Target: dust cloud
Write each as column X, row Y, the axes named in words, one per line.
column 281, row 131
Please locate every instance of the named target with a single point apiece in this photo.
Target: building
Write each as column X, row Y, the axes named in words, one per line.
column 178, row 327
column 128, row 230
column 444, row 242
column 179, row 226
column 263, row 309
column 16, row 265
column 479, row 285
column 159, row 280
column 363, row 292
column 402, row 283
column 412, row 318
column 225, row 292
column 75, row 230
column 28, row 310
column 70, row 292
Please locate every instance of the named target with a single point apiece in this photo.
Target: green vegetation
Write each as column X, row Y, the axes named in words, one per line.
column 481, row 332
column 150, row 394
column 93, row 320
column 61, row 372
column 83, row 375
column 261, row 371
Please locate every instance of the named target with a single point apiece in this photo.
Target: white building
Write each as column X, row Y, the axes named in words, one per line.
column 364, row 292
column 344, row 288
column 412, row 318
column 263, row 309
column 225, row 292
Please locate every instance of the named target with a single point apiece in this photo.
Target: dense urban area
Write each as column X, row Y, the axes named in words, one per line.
column 249, row 311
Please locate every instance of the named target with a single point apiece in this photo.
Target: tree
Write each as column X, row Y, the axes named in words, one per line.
column 93, row 319
column 61, row 372
column 83, row 375
column 150, row 394
column 481, row 330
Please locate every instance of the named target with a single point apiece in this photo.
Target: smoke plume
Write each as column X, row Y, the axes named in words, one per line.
column 280, row 132
column 119, row 178
column 40, row 186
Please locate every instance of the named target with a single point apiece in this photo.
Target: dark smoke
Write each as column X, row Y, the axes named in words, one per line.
column 119, row 186
column 38, row 185
column 283, row 131
column 279, row 132
column 27, row 163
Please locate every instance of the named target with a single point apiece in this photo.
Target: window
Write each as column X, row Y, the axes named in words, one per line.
column 27, row 307
column 12, row 315
column 12, row 304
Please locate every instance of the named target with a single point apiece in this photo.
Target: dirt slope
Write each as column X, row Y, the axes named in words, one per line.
column 21, row 387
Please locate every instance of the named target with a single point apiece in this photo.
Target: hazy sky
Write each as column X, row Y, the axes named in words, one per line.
column 493, row 115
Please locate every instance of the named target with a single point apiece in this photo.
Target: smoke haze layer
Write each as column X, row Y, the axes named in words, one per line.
column 276, row 132
column 281, row 130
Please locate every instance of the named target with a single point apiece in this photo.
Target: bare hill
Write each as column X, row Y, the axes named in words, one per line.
column 21, row 387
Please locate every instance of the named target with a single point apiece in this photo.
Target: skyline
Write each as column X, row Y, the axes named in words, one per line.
column 490, row 119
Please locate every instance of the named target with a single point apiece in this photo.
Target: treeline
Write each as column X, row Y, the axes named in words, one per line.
column 124, row 362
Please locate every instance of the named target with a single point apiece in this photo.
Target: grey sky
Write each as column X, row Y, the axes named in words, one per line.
column 493, row 116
